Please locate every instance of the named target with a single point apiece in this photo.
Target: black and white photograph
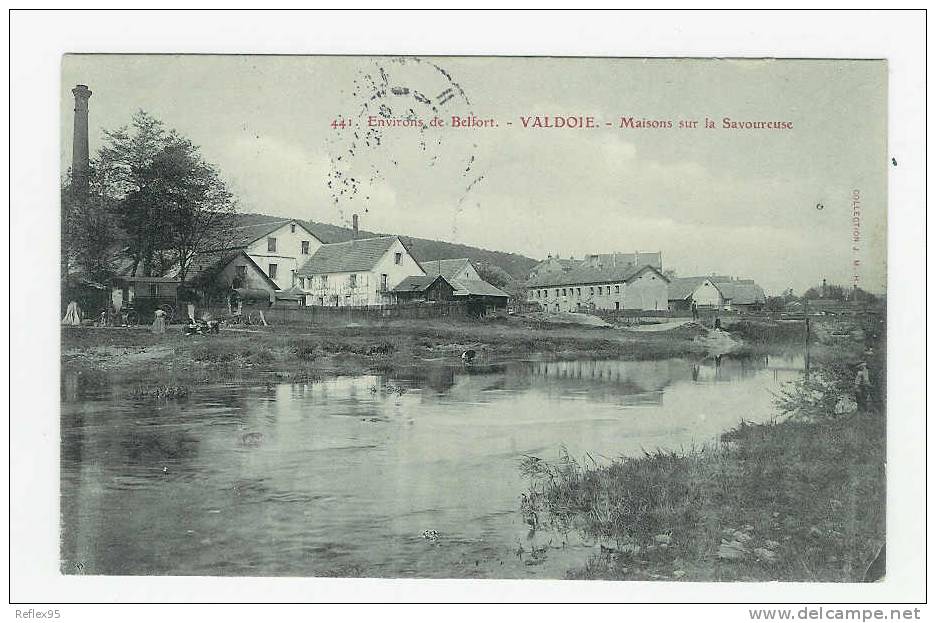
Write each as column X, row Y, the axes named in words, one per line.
column 600, row 319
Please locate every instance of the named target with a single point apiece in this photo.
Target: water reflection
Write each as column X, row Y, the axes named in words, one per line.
column 342, row 476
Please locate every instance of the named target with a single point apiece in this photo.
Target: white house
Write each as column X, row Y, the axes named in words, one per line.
column 715, row 292
column 357, row 272
column 684, row 291
column 279, row 248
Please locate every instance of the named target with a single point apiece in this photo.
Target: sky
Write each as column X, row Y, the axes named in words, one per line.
column 773, row 205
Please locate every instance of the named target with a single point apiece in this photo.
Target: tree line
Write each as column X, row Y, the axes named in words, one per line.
column 151, row 199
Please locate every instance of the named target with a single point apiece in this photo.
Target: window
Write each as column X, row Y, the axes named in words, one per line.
column 241, row 272
column 292, row 228
column 272, row 271
column 557, row 291
column 617, row 289
column 397, row 258
column 154, row 290
column 591, row 290
column 302, row 282
column 324, row 280
column 578, row 291
column 305, row 247
column 271, row 245
column 352, row 280
column 563, row 291
column 292, row 275
column 383, row 283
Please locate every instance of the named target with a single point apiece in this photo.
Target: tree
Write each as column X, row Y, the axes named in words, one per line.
column 89, row 238
column 125, row 161
column 169, row 202
column 494, row 274
column 195, row 206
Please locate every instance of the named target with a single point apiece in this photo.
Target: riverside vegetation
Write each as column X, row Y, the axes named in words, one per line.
column 801, row 498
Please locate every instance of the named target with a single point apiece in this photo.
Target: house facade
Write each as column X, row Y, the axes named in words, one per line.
column 482, row 298
column 423, row 289
column 589, row 287
column 279, row 248
column 715, row 292
column 357, row 272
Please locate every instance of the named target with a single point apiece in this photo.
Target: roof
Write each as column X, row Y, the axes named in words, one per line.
column 244, row 235
column 582, row 274
column 206, row 264
column 636, row 258
column 451, row 269
column 681, row 288
column 741, row 293
column 347, row 257
column 293, row 293
column 477, row 287
column 419, row 283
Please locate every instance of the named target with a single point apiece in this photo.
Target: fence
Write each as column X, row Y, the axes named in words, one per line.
column 320, row 315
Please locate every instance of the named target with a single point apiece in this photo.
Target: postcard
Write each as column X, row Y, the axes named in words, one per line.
column 473, row 317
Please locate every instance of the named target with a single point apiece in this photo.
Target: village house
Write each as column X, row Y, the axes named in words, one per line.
column 423, row 289
column 719, row 292
column 279, row 248
column 357, row 272
column 480, row 296
column 595, row 285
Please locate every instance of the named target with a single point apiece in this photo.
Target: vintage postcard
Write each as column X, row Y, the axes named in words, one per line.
column 473, row 317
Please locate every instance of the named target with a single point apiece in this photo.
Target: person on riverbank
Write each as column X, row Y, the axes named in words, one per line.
column 159, row 323
column 862, row 386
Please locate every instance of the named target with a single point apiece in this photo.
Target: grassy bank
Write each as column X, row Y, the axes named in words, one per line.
column 798, row 499
column 133, row 354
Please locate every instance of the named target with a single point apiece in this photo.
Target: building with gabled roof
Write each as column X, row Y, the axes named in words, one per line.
column 279, row 247
column 357, row 272
column 603, row 286
column 482, row 296
column 556, row 264
column 715, row 292
column 423, row 288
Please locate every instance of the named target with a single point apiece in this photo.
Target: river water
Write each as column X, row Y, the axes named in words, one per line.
column 346, row 476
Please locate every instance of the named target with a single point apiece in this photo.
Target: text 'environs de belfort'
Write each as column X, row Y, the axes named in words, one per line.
column 563, row 122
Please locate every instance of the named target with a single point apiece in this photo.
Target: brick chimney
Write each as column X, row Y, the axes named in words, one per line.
column 354, row 227
column 80, row 165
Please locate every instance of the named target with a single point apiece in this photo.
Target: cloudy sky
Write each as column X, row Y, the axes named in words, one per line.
column 739, row 202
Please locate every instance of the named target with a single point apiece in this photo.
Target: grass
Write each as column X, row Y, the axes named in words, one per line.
column 315, row 351
column 801, row 498
column 813, row 495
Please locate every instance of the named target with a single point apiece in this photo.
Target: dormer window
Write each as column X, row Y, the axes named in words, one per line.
column 271, row 245
column 397, row 258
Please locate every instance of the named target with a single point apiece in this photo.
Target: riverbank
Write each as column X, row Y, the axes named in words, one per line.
column 801, row 498
column 135, row 354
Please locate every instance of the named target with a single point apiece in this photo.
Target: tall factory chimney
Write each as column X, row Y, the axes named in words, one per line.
column 80, row 165
column 354, row 227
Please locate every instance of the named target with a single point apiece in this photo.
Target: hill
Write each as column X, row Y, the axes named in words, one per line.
column 423, row 249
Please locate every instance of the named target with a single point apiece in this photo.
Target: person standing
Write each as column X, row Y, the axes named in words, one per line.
column 862, row 386
column 159, row 323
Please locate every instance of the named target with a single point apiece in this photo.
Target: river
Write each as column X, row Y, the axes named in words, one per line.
column 409, row 475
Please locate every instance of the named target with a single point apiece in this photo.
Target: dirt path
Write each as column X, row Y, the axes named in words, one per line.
column 662, row 326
